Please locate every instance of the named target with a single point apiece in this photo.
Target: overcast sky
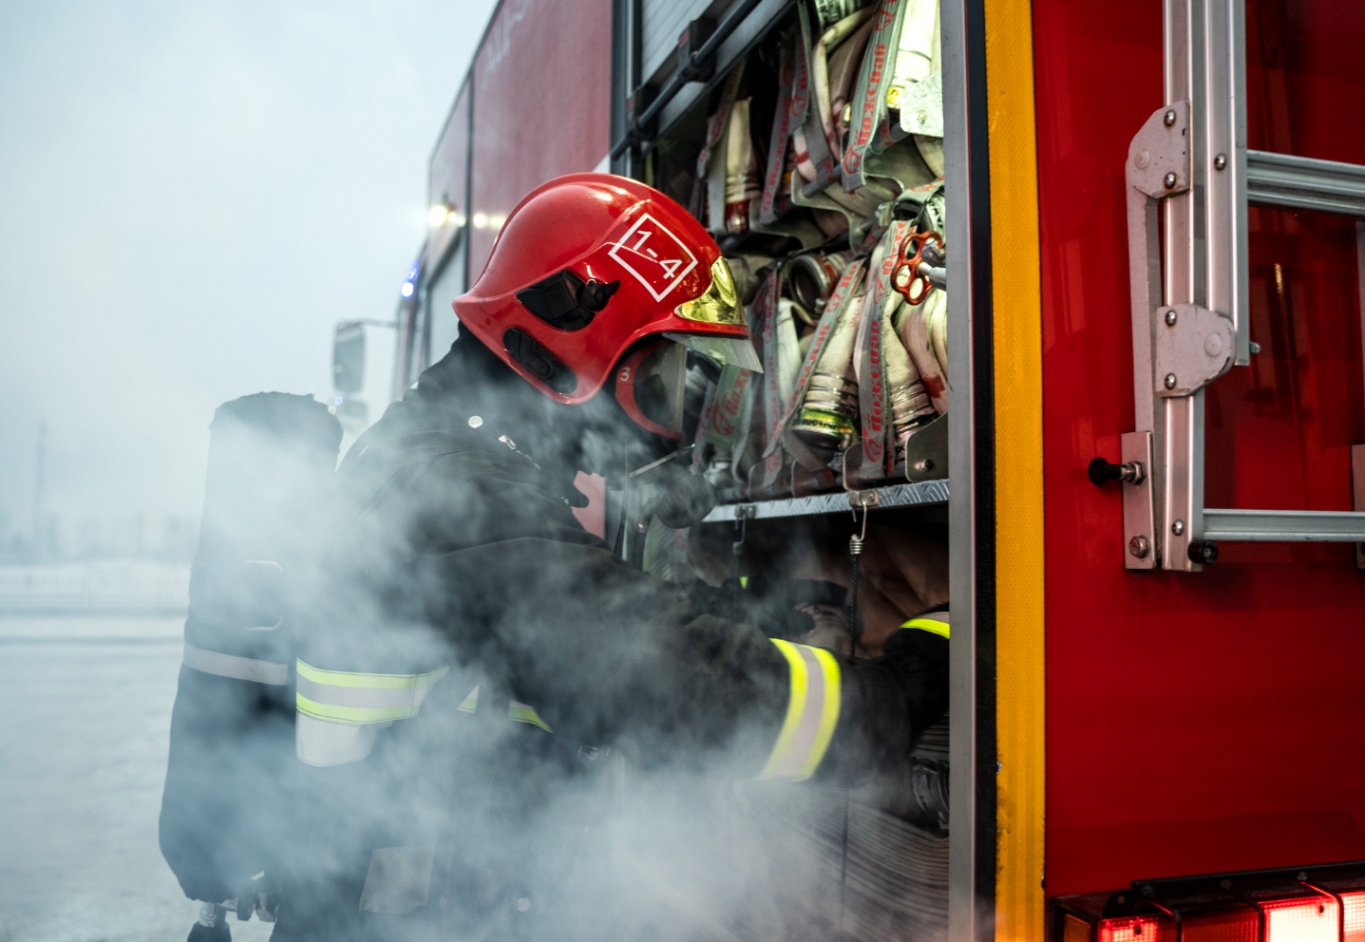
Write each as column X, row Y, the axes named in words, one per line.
column 190, row 196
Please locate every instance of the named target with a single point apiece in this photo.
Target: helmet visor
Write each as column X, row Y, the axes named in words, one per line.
column 727, row 351
column 719, row 304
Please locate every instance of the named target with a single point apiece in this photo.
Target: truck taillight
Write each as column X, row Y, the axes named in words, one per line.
column 1315, row 919
column 1324, row 903
column 1353, row 916
column 1134, row 929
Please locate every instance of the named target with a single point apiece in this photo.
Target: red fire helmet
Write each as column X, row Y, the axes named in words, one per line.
column 589, row 265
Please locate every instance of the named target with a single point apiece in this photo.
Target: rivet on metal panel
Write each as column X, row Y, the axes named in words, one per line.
column 1220, row 162
column 1193, row 350
column 1159, row 150
column 863, row 499
column 1139, row 547
column 1178, row 527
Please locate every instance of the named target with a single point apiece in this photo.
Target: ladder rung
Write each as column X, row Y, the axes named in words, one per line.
column 1289, row 182
column 1250, row 526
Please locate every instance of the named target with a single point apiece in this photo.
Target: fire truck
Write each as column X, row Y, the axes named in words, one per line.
column 1149, row 260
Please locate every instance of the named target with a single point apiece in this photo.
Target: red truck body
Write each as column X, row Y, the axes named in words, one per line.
column 1212, row 721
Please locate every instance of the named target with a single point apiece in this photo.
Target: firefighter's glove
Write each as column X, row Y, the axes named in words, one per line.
column 676, row 496
column 886, row 705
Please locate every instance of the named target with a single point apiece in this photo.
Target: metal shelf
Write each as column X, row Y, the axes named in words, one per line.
column 922, row 493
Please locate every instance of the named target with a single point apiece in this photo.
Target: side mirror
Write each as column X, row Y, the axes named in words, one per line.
column 348, row 357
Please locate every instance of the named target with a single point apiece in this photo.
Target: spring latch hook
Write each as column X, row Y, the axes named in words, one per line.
column 855, row 552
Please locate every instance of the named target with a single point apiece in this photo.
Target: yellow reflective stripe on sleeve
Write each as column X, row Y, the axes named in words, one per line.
column 354, row 697
column 525, row 713
column 345, row 714
column 470, row 703
column 931, row 625
column 812, row 713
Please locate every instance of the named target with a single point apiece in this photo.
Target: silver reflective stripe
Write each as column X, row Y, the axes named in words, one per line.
column 324, row 743
column 238, row 668
column 408, row 699
column 354, row 697
column 399, row 879
column 812, row 712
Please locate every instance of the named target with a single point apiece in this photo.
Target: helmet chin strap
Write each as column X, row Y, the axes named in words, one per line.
column 682, row 450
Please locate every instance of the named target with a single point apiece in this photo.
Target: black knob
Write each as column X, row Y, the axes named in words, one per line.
column 1203, row 552
column 1101, row 472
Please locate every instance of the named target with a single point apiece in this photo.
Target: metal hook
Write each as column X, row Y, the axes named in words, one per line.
column 855, row 543
column 737, row 547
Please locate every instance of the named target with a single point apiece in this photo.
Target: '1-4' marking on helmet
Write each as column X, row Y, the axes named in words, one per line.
column 657, row 258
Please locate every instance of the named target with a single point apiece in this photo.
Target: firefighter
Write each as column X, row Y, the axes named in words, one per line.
column 458, row 585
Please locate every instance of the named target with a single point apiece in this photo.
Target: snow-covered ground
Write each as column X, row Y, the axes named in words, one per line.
column 86, row 707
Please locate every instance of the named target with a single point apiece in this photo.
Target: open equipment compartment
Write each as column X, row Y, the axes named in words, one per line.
column 808, row 138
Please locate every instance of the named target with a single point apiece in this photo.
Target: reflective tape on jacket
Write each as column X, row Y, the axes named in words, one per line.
column 517, row 712
column 525, row 713
column 237, row 668
column 935, row 623
column 812, row 712
column 350, row 697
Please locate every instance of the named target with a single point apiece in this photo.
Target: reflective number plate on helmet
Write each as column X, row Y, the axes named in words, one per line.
column 657, row 258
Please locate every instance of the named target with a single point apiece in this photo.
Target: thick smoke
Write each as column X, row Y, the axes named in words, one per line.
column 629, row 808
